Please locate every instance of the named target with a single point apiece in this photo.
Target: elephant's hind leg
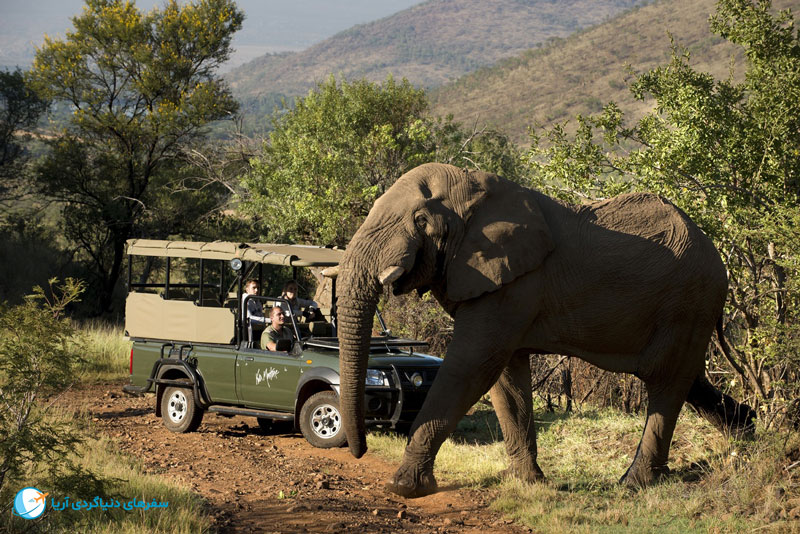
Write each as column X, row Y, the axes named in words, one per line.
column 674, row 365
column 513, row 403
column 663, row 407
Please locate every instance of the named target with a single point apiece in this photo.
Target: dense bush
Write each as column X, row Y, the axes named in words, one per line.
column 38, row 358
column 419, row 318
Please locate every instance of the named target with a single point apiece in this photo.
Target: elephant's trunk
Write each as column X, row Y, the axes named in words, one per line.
column 356, row 308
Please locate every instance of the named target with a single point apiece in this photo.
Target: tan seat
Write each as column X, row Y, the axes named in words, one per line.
column 320, row 329
column 210, row 298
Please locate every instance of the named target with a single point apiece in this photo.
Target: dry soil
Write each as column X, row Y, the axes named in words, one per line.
column 257, row 481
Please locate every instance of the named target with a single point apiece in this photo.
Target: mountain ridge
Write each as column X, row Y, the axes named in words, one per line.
column 409, row 44
column 580, row 74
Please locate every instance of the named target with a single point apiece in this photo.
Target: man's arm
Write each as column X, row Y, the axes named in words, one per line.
column 255, row 313
column 305, row 303
column 268, row 340
column 273, row 337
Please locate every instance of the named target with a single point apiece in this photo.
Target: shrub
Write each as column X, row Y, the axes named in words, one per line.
column 37, row 359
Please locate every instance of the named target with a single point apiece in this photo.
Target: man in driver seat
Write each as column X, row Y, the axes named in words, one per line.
column 276, row 331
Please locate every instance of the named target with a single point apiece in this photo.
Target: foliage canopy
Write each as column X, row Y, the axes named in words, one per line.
column 20, row 109
column 728, row 154
column 343, row 145
column 141, row 87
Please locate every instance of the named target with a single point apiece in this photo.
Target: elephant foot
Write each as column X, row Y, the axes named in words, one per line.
column 640, row 476
column 412, row 483
column 530, row 475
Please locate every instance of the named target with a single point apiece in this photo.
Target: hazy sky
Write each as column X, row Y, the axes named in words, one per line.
column 270, row 26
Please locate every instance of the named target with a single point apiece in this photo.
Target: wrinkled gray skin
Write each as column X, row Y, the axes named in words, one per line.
column 630, row 285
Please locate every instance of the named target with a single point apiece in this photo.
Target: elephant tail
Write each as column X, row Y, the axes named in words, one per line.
column 719, row 409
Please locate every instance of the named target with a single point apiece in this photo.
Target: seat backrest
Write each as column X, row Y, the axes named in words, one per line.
column 210, row 298
column 177, row 294
column 320, row 329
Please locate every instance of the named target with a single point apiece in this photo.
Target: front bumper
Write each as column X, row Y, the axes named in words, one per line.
column 402, row 400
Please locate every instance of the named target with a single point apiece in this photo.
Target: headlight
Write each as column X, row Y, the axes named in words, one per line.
column 416, row 379
column 376, row 378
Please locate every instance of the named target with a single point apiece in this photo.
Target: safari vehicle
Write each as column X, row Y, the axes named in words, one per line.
column 193, row 346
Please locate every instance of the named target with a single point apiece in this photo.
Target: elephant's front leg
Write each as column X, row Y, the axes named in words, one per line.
column 513, row 403
column 475, row 358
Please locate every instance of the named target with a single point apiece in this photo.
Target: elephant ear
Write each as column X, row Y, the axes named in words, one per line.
column 505, row 236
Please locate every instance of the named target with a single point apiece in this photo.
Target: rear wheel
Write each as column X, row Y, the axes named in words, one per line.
column 178, row 410
column 321, row 421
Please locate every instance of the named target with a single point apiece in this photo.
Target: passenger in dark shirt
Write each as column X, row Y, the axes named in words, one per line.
column 254, row 311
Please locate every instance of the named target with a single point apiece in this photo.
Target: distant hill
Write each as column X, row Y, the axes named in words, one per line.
column 269, row 26
column 430, row 44
column 583, row 72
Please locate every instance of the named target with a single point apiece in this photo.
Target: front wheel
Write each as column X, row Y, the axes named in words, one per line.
column 178, row 410
column 321, row 421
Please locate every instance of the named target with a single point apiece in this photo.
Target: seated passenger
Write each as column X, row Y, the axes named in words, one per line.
column 254, row 311
column 297, row 304
column 276, row 331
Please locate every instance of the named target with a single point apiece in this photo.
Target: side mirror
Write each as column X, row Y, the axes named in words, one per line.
column 284, row 345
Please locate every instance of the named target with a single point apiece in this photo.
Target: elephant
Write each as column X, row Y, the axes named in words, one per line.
column 629, row 284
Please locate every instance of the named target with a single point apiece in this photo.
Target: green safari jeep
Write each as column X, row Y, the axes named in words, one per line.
column 196, row 350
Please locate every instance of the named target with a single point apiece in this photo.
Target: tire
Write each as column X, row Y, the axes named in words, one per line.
column 178, row 410
column 321, row 421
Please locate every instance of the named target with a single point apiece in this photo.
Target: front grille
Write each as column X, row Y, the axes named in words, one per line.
column 380, row 404
column 412, row 402
column 406, row 373
column 414, row 396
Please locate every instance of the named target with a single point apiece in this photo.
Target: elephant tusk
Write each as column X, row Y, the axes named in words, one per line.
column 331, row 272
column 390, row 274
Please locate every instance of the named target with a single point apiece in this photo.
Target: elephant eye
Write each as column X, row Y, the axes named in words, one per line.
column 420, row 221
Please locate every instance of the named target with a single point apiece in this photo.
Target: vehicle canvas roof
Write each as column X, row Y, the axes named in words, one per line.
column 273, row 254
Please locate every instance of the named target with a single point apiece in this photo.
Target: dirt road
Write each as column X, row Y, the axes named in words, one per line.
column 259, row 482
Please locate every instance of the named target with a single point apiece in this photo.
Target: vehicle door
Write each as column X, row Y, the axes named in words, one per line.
column 216, row 366
column 267, row 379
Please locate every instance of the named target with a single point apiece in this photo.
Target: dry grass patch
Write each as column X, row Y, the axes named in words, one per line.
column 716, row 484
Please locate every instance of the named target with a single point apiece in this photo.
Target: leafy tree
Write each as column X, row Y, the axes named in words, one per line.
column 343, row 145
column 728, row 153
column 20, row 109
column 142, row 86
column 330, row 157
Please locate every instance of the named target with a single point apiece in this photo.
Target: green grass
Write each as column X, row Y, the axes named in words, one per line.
column 103, row 471
column 105, row 351
column 185, row 513
column 110, row 475
column 716, row 485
